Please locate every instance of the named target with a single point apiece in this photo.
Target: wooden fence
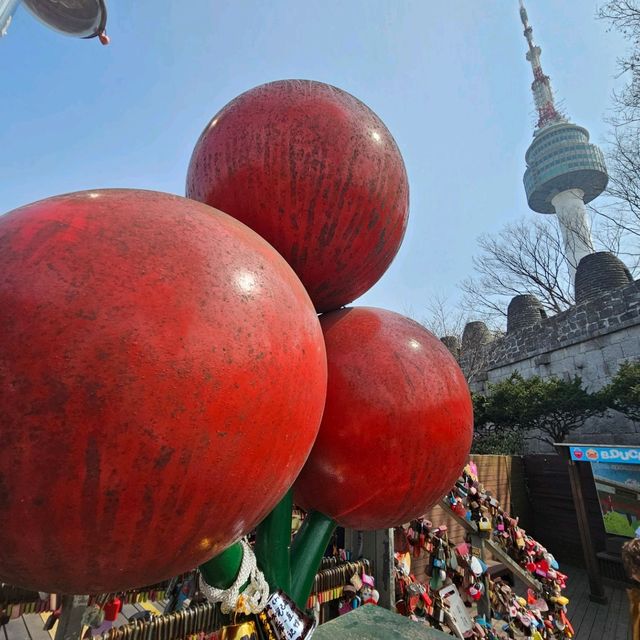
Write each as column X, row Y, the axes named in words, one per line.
column 555, row 523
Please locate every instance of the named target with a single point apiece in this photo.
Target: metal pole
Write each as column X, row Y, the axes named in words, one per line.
column 595, row 579
column 222, row 570
column 70, row 622
column 307, row 550
column 377, row 546
column 273, row 542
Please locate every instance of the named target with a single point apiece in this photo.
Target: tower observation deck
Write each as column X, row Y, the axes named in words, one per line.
column 564, row 170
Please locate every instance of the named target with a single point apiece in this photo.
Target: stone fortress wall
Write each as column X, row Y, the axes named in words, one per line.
column 591, row 340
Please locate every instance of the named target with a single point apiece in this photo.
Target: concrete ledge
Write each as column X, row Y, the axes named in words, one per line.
column 375, row 623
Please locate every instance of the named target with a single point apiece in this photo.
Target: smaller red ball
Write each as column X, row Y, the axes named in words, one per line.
column 397, row 425
column 317, row 174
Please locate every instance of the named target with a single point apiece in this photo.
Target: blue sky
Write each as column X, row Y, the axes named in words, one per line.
column 448, row 78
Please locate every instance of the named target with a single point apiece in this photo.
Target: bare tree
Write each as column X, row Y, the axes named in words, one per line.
column 624, row 16
column 448, row 321
column 443, row 318
column 620, row 209
column 618, row 212
column 525, row 257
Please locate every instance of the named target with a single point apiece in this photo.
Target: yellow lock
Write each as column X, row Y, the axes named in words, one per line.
column 484, row 524
column 244, row 631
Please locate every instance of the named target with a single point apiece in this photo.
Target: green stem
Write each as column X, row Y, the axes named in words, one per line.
column 221, row 571
column 273, row 542
column 306, row 553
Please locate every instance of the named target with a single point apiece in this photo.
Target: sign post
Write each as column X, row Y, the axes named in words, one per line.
column 575, row 454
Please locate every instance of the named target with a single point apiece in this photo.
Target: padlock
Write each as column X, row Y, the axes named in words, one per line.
column 476, row 590
column 484, row 524
column 459, row 508
column 244, row 631
column 112, row 609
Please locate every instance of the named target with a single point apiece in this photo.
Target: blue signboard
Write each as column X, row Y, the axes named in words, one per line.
column 619, row 455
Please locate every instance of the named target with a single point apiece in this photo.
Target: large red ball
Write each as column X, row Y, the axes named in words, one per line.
column 162, row 380
column 397, row 426
column 316, row 173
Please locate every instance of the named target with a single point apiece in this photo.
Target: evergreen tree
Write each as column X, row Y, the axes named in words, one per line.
column 623, row 392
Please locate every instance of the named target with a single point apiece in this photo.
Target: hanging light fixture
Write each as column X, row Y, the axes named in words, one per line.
column 78, row 18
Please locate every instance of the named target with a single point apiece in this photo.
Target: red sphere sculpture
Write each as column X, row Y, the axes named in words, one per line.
column 397, row 426
column 162, row 380
column 317, row 174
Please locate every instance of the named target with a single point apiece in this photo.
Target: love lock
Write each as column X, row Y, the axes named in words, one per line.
column 484, row 524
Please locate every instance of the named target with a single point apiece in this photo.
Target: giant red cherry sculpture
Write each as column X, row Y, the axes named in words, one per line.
column 397, row 425
column 162, row 379
column 317, row 174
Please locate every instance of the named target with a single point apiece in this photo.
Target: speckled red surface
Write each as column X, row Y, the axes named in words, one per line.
column 162, row 379
column 397, row 426
column 317, row 174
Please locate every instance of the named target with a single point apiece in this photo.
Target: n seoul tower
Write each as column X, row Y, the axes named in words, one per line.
column 563, row 170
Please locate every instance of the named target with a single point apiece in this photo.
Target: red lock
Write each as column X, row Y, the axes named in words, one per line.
column 476, row 591
column 112, row 609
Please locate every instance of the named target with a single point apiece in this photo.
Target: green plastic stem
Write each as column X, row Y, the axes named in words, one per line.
column 306, row 553
column 273, row 542
column 221, row 571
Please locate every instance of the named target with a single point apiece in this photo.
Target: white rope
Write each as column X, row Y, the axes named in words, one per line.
column 256, row 594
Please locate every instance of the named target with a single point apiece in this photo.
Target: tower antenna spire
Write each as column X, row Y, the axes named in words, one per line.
column 564, row 170
column 541, row 85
